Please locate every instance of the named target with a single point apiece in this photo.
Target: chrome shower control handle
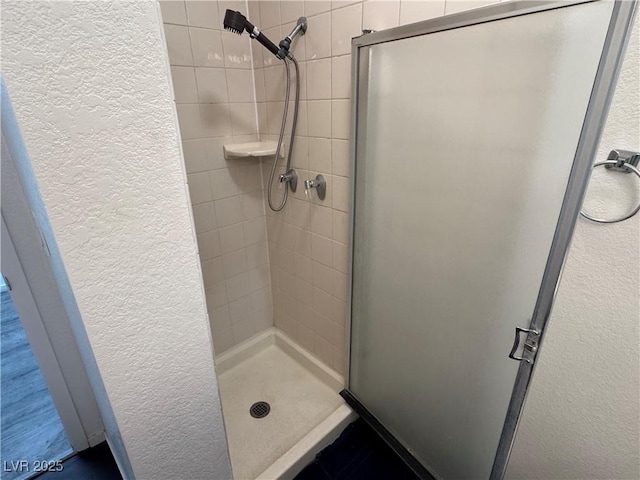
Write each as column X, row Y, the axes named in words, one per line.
column 319, row 183
column 291, row 177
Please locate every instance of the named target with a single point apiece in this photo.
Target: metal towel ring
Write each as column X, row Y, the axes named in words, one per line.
column 630, row 168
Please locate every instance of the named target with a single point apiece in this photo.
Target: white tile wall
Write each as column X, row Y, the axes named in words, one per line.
column 341, row 77
column 314, row 8
column 178, row 45
column 295, row 272
column 346, row 23
column 455, row 6
column 202, row 14
column 185, row 88
column 206, row 47
column 318, row 38
column 319, row 118
column 269, row 15
column 411, row 12
column 211, row 85
column 318, row 79
column 237, row 51
column 379, row 15
column 240, row 84
column 173, row 12
column 214, row 93
column 290, row 11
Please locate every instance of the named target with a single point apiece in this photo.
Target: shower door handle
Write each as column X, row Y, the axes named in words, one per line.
column 530, row 344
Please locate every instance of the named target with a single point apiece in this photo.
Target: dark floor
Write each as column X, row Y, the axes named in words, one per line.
column 30, row 426
column 96, row 463
column 358, row 454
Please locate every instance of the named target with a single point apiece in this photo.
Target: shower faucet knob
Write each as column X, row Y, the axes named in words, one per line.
column 291, row 177
column 319, row 183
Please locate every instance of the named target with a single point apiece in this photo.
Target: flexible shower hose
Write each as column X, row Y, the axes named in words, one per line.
column 282, row 127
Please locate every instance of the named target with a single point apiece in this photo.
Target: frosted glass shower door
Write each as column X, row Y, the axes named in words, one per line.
column 469, row 150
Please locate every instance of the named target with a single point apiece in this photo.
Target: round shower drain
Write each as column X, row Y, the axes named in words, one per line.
column 260, row 409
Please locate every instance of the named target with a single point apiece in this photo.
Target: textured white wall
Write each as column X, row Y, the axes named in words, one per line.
column 581, row 419
column 90, row 87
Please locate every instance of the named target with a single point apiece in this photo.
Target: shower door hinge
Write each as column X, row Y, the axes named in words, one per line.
column 530, row 345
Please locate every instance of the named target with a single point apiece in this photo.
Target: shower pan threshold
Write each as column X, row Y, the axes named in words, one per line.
column 307, row 412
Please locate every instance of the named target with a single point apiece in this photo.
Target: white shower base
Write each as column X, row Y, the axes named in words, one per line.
column 306, row 415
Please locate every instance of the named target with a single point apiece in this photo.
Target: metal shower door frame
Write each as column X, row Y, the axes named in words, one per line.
column 601, row 95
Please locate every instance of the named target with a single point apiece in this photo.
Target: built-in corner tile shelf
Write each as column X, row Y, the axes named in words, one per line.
column 252, row 149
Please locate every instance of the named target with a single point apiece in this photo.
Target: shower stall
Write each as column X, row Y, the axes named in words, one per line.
column 276, row 299
column 392, row 285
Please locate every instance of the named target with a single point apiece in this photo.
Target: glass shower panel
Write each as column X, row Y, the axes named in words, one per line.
column 464, row 154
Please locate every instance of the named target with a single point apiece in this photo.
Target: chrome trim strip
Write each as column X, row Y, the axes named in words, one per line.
column 359, row 85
